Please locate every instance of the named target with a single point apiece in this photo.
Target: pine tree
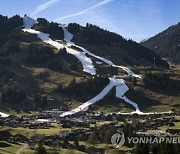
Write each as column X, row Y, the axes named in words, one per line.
column 141, row 149
column 134, row 81
column 76, row 142
column 40, row 149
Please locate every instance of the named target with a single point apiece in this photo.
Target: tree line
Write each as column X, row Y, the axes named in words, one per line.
column 49, row 27
column 97, row 36
column 36, row 54
column 8, row 38
column 84, row 90
column 44, row 55
column 12, row 96
column 161, row 148
column 40, row 101
column 8, row 24
column 155, row 80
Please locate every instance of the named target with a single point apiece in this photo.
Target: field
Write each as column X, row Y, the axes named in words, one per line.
column 108, row 147
column 33, row 132
column 158, row 99
column 35, row 80
column 8, row 148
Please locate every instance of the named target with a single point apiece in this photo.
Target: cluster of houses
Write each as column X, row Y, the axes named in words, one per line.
column 30, row 122
column 83, row 122
column 85, row 119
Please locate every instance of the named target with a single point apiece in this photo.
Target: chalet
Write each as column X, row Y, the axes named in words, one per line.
column 159, row 133
column 173, row 131
column 63, row 133
column 25, row 118
column 171, row 124
column 44, row 116
column 25, row 124
column 45, row 122
column 67, row 125
column 140, row 133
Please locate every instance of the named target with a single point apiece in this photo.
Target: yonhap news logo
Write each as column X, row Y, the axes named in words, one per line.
column 119, row 139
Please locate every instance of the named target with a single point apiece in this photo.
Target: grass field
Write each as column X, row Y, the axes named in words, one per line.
column 110, row 109
column 12, row 112
column 116, row 151
column 34, row 132
column 50, row 150
column 157, row 99
column 164, row 128
column 177, row 126
column 8, row 148
column 12, row 148
column 108, row 147
column 67, row 151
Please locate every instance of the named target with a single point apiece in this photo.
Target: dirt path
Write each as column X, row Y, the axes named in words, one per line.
column 23, row 146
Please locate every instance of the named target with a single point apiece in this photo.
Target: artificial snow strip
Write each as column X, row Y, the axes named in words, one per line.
column 86, row 62
column 121, row 87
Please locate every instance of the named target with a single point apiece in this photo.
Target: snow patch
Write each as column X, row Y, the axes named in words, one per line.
column 68, row 37
column 3, row 115
column 28, row 22
column 44, row 37
column 121, row 89
column 99, row 62
column 43, row 120
column 86, row 62
column 88, row 67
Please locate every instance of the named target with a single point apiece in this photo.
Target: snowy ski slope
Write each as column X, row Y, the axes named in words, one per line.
column 121, row 87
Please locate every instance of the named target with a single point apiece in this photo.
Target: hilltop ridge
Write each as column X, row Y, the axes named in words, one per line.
column 166, row 43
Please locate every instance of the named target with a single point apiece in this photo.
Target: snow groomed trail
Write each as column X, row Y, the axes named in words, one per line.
column 86, row 62
column 121, row 87
column 68, row 37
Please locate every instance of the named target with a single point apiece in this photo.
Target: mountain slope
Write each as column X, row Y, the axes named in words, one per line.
column 113, row 46
column 107, row 44
column 48, row 67
column 166, row 44
column 121, row 87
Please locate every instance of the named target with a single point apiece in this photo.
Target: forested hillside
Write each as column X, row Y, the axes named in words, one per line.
column 33, row 72
column 111, row 44
column 166, row 44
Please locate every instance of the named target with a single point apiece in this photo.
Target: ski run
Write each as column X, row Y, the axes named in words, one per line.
column 119, row 84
